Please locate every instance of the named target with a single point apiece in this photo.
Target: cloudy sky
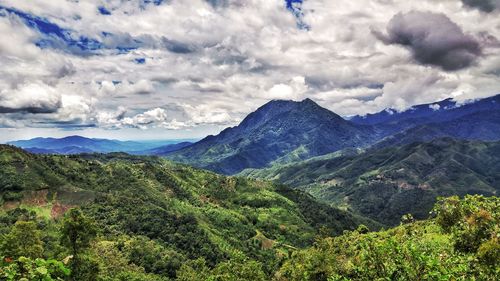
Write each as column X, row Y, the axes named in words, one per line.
column 153, row 69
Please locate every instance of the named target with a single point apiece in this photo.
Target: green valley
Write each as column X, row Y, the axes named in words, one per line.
column 385, row 184
column 152, row 216
column 121, row 217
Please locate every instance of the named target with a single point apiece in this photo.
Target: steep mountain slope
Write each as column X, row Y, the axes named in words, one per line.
column 279, row 131
column 387, row 183
column 188, row 212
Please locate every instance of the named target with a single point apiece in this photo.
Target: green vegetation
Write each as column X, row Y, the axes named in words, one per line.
column 460, row 243
column 122, row 217
column 386, row 184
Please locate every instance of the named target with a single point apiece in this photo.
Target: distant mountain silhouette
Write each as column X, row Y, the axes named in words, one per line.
column 444, row 111
column 79, row 144
column 163, row 150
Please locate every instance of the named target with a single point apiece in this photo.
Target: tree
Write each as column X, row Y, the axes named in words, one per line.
column 76, row 233
column 238, row 269
column 23, row 240
column 193, row 270
column 408, row 218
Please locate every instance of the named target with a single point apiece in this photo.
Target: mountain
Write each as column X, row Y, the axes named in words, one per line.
column 392, row 121
column 481, row 125
column 164, row 149
column 279, row 131
column 78, row 144
column 387, row 183
column 62, row 150
column 175, row 212
column 286, row 131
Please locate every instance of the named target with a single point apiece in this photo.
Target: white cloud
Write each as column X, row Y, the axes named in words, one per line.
column 156, row 117
column 75, row 108
column 32, row 98
column 293, row 90
column 218, row 64
column 206, row 114
column 434, row 106
column 141, row 87
column 20, row 39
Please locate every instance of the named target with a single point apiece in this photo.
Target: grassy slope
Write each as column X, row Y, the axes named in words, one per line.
column 194, row 212
column 387, row 183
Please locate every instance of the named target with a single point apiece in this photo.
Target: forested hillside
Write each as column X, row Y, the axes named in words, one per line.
column 142, row 218
column 385, row 184
column 460, row 242
column 134, row 240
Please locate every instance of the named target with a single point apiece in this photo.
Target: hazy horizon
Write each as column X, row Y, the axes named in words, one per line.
column 125, row 134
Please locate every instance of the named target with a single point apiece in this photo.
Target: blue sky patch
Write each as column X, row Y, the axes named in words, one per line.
column 140, row 60
column 53, row 36
column 104, row 11
column 156, row 2
column 295, row 7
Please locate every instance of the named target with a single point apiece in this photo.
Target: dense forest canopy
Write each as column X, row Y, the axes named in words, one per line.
column 122, row 217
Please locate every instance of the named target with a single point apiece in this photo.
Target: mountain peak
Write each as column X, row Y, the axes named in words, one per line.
column 308, row 101
column 280, row 130
column 75, row 137
column 281, row 102
column 307, row 109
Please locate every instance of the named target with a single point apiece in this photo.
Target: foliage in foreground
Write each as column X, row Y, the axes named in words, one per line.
column 460, row 243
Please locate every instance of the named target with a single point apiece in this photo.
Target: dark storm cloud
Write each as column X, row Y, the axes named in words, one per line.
column 433, row 39
column 70, row 125
column 32, row 109
column 487, row 6
column 177, row 47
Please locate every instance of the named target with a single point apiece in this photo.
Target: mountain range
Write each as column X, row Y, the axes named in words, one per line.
column 387, row 183
column 297, row 174
column 436, row 112
column 79, row 144
column 380, row 166
column 287, row 131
